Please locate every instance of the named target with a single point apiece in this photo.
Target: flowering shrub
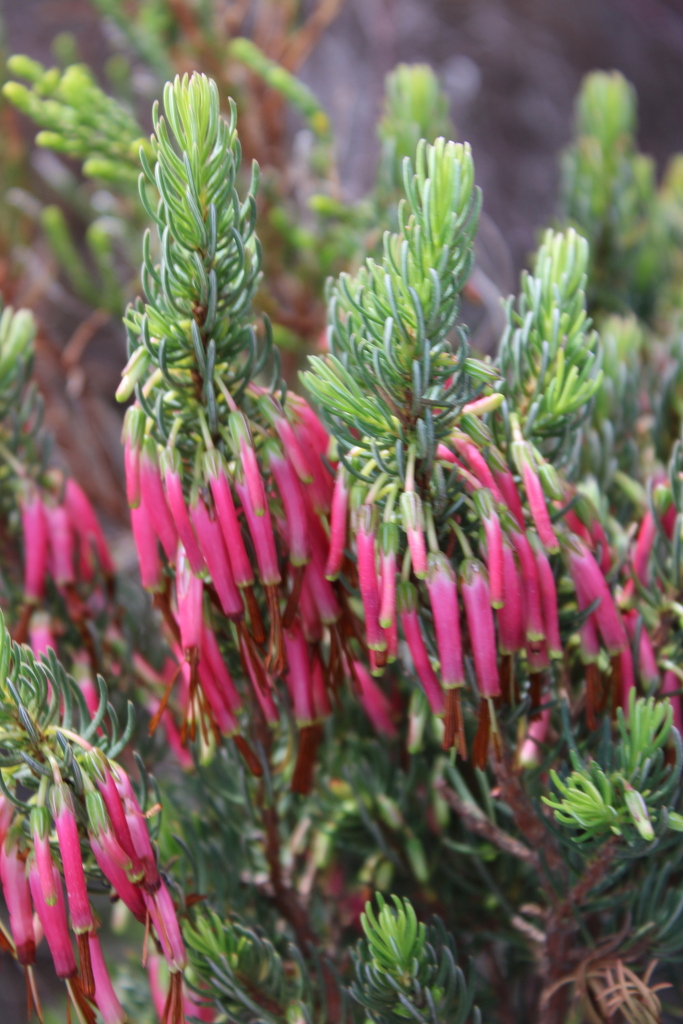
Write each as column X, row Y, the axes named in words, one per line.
column 416, row 630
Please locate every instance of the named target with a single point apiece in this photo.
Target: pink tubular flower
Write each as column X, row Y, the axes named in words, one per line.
column 61, row 544
column 133, row 433
column 670, row 684
column 388, row 546
column 86, row 524
column 53, row 923
column 189, row 592
column 146, row 545
column 152, row 492
column 410, row 625
column 483, row 500
column 213, row 549
column 15, row 888
column 537, row 733
column 374, row 701
column 290, row 441
column 338, row 519
column 221, row 492
column 531, row 588
column 511, row 615
column 34, row 529
column 551, row 622
column 40, row 634
column 40, row 833
column 225, row 720
column 309, row 426
column 647, row 660
column 128, row 892
column 537, row 505
column 508, row 488
column 477, row 463
column 82, row 673
column 165, row 921
column 367, row 578
column 263, row 538
column 643, row 547
column 590, row 585
column 100, row 771
column 171, row 466
column 105, row 997
column 298, row 676
column 64, row 817
column 412, row 517
column 293, row 500
column 239, row 428
column 211, row 651
column 443, row 596
column 138, row 832
column 476, row 598
column 308, row 611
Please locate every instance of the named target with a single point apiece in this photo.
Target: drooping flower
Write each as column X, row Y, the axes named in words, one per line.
column 289, row 487
column 105, row 997
column 443, row 596
column 172, row 469
column 217, row 476
column 146, row 545
column 410, row 624
column 53, row 922
column 531, row 588
column 374, row 701
column 61, row 545
column 412, row 519
column 85, row 523
column 367, row 576
column 483, row 500
column 590, row 585
column 189, row 591
column 263, row 538
column 510, row 615
column 300, row 687
column 35, row 533
column 15, row 889
column 477, row 601
column 212, row 546
column 551, row 622
column 154, row 498
column 338, row 524
column 41, row 825
column 133, row 433
column 82, row 921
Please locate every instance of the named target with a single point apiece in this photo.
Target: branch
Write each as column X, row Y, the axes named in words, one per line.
column 475, row 821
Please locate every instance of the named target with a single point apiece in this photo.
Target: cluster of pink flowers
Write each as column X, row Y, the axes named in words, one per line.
column 63, row 540
column 506, row 599
column 33, row 881
column 251, row 540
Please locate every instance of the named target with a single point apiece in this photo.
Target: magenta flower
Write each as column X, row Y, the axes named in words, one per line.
column 537, row 733
column 590, row 585
column 219, row 483
column 412, row 517
column 537, row 503
column 648, row 669
column 443, row 596
column 531, row 588
column 508, row 489
column 263, row 538
column 189, row 592
column 35, row 532
column 367, row 577
column 643, row 548
column 551, row 622
column 86, row 525
column 483, row 500
column 510, row 615
column 53, row 922
column 105, row 997
column 172, row 469
column 292, row 497
column 146, row 545
column 136, row 822
column 410, row 624
column 41, row 825
column 212, row 546
column 64, row 817
column 61, row 545
column 15, row 888
column 388, row 546
column 374, row 701
column 211, row 651
column 225, row 720
column 477, row 463
column 311, row 621
column 154, row 499
column 244, row 445
column 298, row 676
column 133, row 433
column 338, row 521
column 128, row 892
column 165, row 921
column 477, row 601
column 290, row 441
column 100, row 771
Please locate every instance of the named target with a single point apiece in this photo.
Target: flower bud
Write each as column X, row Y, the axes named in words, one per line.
column 483, row 500
column 15, row 888
column 530, row 750
column 367, row 577
column 215, row 555
column 388, row 546
column 217, row 476
column 263, row 538
column 293, row 500
column 477, row 601
column 189, row 592
column 171, row 465
column 443, row 596
column 53, row 922
column 41, row 824
column 152, row 492
column 244, row 445
column 146, row 545
column 590, row 585
column 133, row 433
column 410, row 624
column 165, row 921
column 338, row 522
column 35, row 533
column 510, row 615
column 64, row 817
